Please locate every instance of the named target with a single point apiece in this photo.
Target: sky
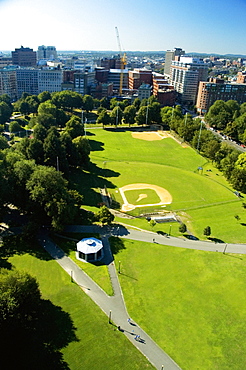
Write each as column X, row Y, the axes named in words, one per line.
column 205, row 26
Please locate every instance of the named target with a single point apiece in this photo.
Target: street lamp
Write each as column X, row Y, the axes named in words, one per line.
column 170, row 227
column 109, row 317
column 119, row 267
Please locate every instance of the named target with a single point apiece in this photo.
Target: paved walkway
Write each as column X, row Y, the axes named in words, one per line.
column 114, row 307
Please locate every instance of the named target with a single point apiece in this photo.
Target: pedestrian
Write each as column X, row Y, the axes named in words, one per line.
column 153, row 240
column 129, row 320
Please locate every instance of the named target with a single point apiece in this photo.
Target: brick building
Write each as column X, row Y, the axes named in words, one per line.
column 24, row 57
column 216, row 89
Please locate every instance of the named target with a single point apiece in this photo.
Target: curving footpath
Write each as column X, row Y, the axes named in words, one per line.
column 114, row 307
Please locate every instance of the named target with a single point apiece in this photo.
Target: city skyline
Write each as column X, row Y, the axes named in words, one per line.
column 203, row 27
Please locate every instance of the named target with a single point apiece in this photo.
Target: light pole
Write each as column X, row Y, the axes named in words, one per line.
column 225, row 249
column 119, row 267
column 170, row 227
column 109, row 317
column 198, row 142
column 147, row 113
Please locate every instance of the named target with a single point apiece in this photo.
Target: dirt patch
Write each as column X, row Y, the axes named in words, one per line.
column 150, row 135
column 163, row 194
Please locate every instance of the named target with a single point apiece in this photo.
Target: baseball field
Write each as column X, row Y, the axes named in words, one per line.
column 133, row 165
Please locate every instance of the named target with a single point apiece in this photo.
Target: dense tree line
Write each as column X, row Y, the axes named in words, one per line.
column 34, row 170
column 229, row 117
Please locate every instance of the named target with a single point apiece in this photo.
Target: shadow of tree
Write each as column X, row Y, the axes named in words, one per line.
column 102, row 172
column 96, row 146
column 37, row 344
column 215, row 240
column 18, row 244
column 116, row 244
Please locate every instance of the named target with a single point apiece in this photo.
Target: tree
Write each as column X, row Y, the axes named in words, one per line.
column 14, row 126
column 3, row 143
column 207, row 231
column 104, row 118
column 19, row 299
column 116, row 116
column 88, row 103
column 137, row 103
column 49, row 194
column 35, row 151
column 6, row 98
column 5, row 112
column 143, row 116
column 219, row 115
column 44, row 96
column 105, row 216
column 74, row 127
column 155, row 112
column 40, row 132
column 182, row 228
column 152, row 223
column 47, row 107
column 47, row 120
column 67, row 99
column 83, row 150
column 129, row 114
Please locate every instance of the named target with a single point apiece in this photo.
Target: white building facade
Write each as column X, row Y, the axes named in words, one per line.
column 186, row 75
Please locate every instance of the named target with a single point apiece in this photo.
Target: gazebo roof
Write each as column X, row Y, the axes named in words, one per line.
column 89, row 245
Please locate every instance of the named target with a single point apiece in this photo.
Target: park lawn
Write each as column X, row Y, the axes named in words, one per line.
column 99, row 345
column 221, row 219
column 192, row 303
column 116, row 145
column 99, row 273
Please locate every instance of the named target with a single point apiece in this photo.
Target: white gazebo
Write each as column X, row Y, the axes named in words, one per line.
column 89, row 250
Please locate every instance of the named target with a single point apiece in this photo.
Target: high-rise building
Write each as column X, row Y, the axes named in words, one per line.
column 8, row 83
column 46, row 52
column 49, row 80
column 27, row 81
column 169, row 57
column 186, row 73
column 24, row 57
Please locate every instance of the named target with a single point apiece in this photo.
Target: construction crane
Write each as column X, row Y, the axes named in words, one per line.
column 122, row 61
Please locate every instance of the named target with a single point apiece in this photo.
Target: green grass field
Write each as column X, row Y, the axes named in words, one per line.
column 134, row 197
column 99, row 273
column 98, row 345
column 200, row 198
column 192, row 303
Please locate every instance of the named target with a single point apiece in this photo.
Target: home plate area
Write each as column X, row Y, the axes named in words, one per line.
column 163, row 195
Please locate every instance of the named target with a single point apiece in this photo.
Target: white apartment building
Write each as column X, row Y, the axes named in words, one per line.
column 49, row 80
column 186, row 73
column 169, row 57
